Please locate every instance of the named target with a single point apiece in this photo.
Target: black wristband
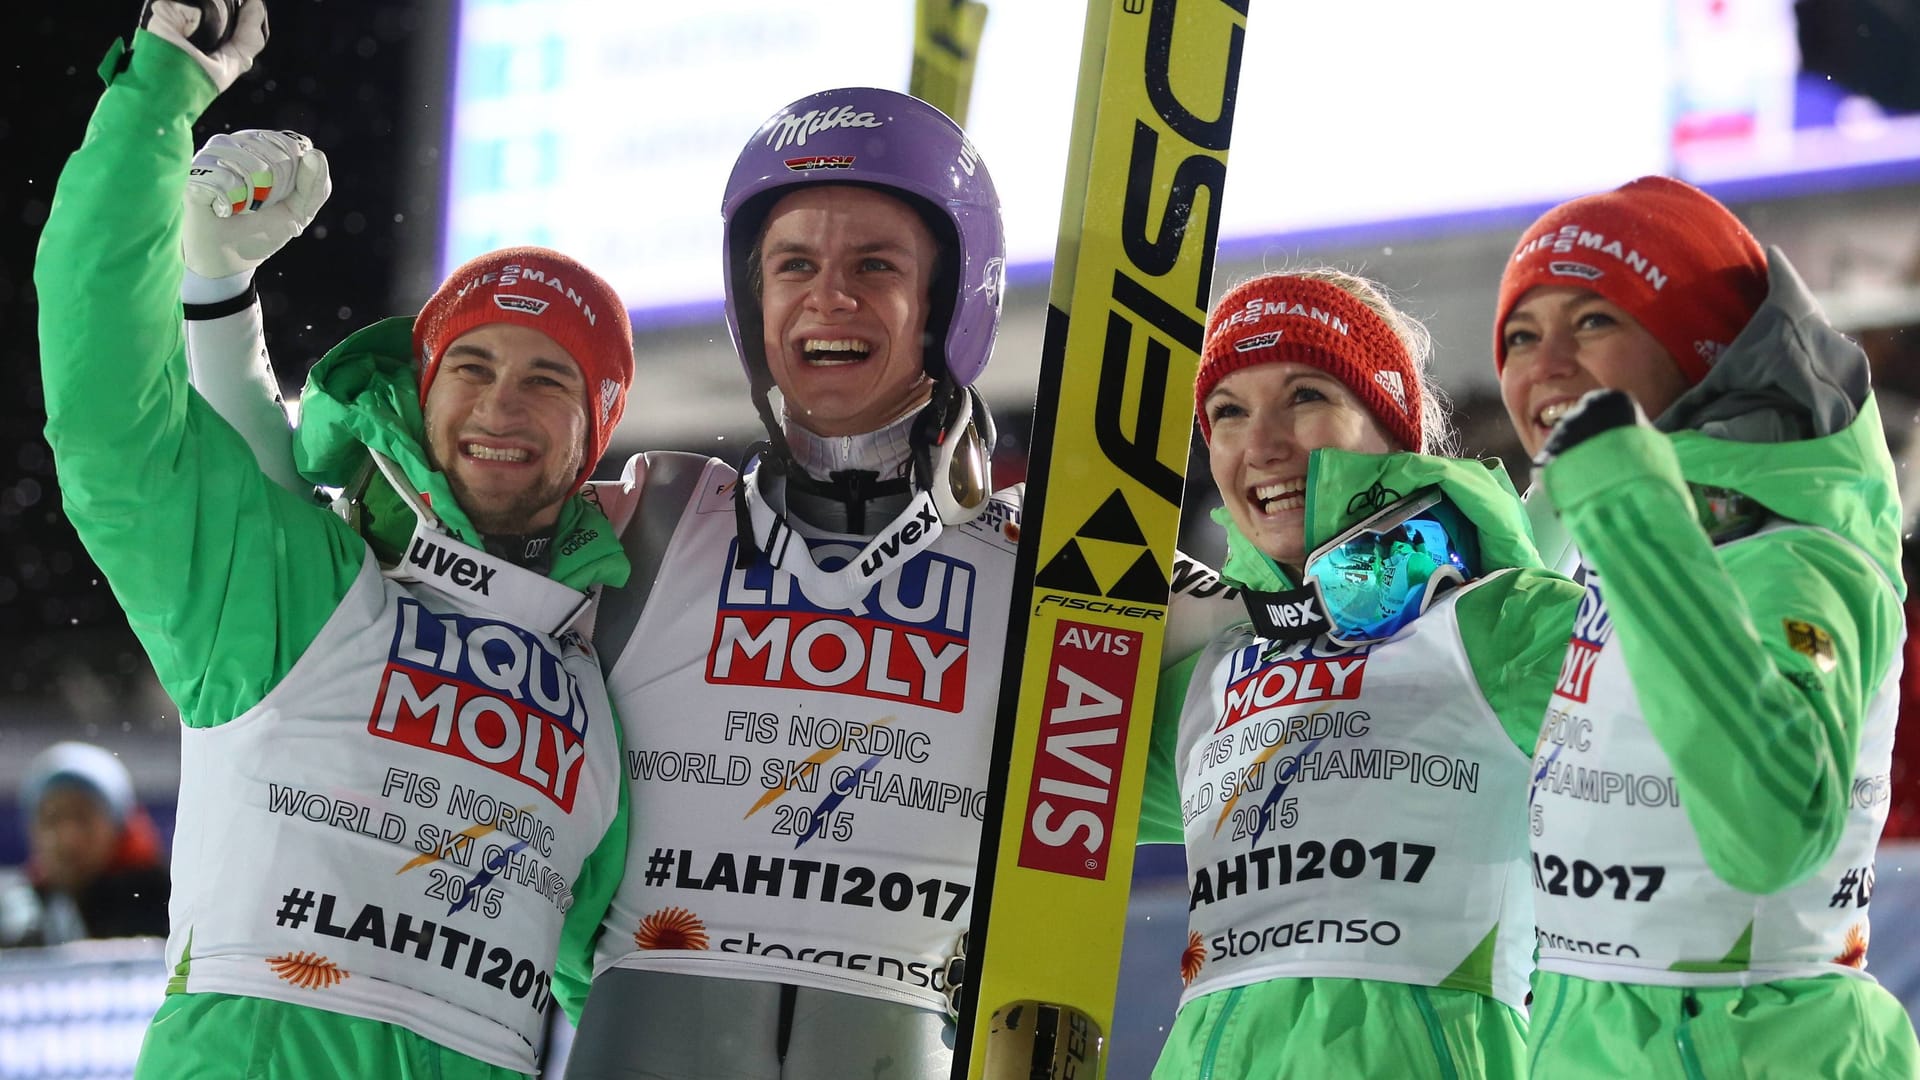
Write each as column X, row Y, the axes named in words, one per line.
column 223, row 308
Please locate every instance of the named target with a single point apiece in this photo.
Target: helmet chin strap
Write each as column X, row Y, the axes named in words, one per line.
column 952, row 441
column 763, row 404
column 846, row 587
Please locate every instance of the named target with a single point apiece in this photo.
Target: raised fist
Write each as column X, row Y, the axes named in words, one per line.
column 225, row 50
column 1597, row 411
column 248, row 193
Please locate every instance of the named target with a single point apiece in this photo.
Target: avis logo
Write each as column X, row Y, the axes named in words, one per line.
column 907, row 642
column 486, row 692
column 1082, row 745
column 1297, row 675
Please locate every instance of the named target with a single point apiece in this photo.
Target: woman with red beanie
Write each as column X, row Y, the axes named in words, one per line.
column 1348, row 769
column 1710, row 783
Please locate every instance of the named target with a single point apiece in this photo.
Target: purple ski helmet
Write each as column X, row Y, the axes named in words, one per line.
column 904, row 146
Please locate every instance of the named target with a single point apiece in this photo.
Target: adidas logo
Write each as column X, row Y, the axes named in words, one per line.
column 609, row 393
column 1391, row 383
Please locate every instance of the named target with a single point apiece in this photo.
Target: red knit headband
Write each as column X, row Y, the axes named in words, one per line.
column 1278, row 318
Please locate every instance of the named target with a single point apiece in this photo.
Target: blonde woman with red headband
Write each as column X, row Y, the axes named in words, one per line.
column 1348, row 769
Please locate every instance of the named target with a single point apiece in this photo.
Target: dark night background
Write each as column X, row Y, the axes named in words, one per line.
column 342, row 71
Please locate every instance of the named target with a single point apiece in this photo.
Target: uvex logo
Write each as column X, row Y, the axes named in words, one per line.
column 889, row 548
column 462, row 570
column 1292, row 613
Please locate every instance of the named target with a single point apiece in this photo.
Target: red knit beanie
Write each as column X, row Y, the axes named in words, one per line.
column 1276, row 318
column 1664, row 251
column 542, row 289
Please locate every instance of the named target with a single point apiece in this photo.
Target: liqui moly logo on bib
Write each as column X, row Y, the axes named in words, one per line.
column 1592, row 629
column 486, row 692
column 908, row 640
column 1297, row 676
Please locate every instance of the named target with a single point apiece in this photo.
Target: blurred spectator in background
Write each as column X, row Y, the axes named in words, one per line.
column 95, row 867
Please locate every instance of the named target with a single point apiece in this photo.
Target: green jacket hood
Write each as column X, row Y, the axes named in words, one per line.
column 362, row 396
column 1787, row 416
column 1343, row 487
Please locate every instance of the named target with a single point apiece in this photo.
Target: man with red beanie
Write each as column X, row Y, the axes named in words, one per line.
column 401, row 806
column 1711, row 784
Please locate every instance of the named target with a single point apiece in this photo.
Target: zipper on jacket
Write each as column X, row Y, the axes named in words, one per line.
column 1219, row 1032
column 1683, row 1037
column 1441, row 1055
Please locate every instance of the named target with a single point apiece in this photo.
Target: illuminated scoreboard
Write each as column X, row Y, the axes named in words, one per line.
column 607, row 128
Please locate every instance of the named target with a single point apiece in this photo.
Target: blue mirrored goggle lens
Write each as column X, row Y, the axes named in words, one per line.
column 1375, row 582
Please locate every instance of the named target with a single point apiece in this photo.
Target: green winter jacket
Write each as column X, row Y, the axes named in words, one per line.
column 224, row 576
column 1515, row 629
column 1761, row 739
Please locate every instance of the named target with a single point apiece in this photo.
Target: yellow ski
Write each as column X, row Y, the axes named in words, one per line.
column 1132, row 273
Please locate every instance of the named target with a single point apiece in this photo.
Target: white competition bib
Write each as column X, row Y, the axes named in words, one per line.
column 808, row 780
column 1622, row 891
column 394, row 832
column 1352, row 813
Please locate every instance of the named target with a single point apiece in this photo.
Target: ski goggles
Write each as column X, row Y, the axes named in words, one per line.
column 1382, row 573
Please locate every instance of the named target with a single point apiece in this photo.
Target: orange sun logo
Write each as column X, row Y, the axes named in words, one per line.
column 671, row 928
column 1193, row 959
column 1855, row 954
column 308, row 971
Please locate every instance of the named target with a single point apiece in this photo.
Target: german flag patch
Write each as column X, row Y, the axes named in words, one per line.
column 1811, row 642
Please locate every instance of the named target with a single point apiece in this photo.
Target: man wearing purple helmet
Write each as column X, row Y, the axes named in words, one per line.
column 814, row 668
